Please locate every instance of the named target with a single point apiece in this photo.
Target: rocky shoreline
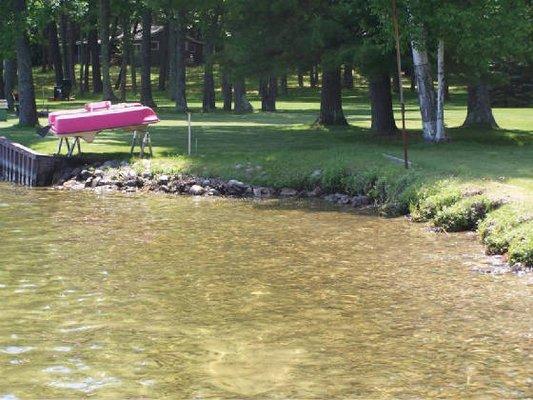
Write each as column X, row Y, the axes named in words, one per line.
column 121, row 177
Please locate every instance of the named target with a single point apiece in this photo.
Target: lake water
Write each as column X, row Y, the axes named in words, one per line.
column 114, row 296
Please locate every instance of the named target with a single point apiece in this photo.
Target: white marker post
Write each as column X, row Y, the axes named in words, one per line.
column 189, row 133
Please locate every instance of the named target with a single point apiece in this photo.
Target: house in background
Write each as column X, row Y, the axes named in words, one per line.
column 193, row 47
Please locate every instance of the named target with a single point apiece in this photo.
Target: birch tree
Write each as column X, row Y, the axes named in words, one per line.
column 440, row 133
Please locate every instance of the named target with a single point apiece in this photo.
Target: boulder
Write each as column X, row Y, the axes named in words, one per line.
column 344, row 199
column 163, row 179
column 314, row 193
column 288, row 192
column 84, row 175
column 213, row 192
column 96, row 181
column 130, row 183
column 359, row 201
column 235, row 188
column 197, row 190
column 263, row 192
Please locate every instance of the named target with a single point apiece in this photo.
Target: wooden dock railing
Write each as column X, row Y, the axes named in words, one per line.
column 24, row 166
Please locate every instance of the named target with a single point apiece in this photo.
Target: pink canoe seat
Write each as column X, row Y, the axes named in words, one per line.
column 98, row 105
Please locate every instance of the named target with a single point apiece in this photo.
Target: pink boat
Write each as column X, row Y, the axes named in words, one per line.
column 87, row 122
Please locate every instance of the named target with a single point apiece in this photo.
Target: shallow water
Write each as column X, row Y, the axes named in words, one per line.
column 113, row 296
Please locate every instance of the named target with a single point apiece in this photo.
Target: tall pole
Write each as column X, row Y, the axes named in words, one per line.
column 399, row 66
column 189, row 133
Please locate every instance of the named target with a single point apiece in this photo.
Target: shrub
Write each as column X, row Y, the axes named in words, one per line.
column 521, row 245
column 430, row 203
column 499, row 228
column 465, row 214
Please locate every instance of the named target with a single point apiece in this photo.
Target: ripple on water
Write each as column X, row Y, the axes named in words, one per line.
column 86, row 385
column 8, row 396
column 62, row 349
column 77, row 329
column 58, row 369
column 15, row 349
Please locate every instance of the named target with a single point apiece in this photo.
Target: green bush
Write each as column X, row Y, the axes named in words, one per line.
column 499, row 228
column 465, row 214
column 431, row 203
column 521, row 245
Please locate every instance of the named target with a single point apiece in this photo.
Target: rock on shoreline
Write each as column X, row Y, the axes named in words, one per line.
column 121, row 177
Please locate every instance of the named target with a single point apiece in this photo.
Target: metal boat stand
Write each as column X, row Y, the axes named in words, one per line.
column 142, row 138
column 70, row 147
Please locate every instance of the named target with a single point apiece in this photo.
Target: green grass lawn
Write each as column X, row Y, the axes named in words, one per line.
column 288, row 148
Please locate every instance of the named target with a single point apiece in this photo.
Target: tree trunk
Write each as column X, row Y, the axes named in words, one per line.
column 300, row 79
column 347, row 81
column 83, row 54
column 440, row 133
column 426, row 93
column 181, row 84
column 10, row 77
column 163, row 59
column 146, row 43
column 171, row 87
column 208, row 98
column 2, row 91
column 226, row 92
column 446, row 89
column 242, row 105
column 268, row 93
column 395, row 83
column 313, row 76
column 86, row 69
column 126, row 44
column 283, row 85
column 331, row 98
column 94, row 49
column 104, row 50
column 44, row 58
column 63, row 25
column 71, row 51
column 479, row 110
column 26, row 90
column 55, row 52
column 381, row 104
column 133, row 60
